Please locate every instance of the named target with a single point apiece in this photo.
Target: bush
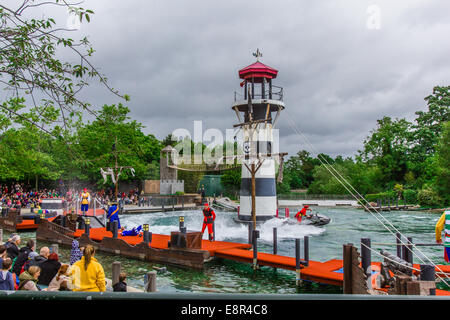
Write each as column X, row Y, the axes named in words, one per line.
column 427, row 197
column 410, row 196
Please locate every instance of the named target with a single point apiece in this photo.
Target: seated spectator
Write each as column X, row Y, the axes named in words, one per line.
column 29, row 278
column 61, row 281
column 27, row 263
column 12, row 247
column 3, row 254
column 121, row 286
column 87, row 273
column 49, row 269
column 6, row 277
column 75, row 252
column 43, row 256
column 23, row 256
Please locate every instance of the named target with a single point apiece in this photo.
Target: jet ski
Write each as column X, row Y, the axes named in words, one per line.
column 314, row 219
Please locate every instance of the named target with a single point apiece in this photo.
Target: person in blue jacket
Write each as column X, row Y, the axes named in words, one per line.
column 113, row 214
column 133, row 232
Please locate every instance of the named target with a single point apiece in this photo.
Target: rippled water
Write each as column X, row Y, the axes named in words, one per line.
column 347, row 226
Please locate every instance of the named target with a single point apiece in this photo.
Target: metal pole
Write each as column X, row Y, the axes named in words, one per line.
column 306, row 249
column 255, row 248
column 250, row 229
column 409, row 251
column 297, row 261
column 275, row 248
column 399, row 246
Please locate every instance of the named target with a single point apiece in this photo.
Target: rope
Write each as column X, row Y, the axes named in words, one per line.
column 341, row 179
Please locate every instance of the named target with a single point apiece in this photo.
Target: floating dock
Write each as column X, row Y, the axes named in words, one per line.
column 195, row 252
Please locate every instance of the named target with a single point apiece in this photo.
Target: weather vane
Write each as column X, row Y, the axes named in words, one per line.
column 257, row 54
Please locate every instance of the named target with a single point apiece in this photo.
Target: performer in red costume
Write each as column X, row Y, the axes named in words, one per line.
column 208, row 220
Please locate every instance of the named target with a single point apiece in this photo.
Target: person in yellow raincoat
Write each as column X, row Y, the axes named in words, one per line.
column 88, row 274
column 444, row 224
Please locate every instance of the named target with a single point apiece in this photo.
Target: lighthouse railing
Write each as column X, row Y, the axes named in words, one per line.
column 275, row 94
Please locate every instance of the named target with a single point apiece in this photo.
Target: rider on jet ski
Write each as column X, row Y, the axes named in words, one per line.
column 302, row 213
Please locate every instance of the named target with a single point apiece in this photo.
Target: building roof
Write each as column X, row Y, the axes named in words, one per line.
column 258, row 70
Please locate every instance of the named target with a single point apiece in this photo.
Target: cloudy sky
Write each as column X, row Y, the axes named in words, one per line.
column 342, row 64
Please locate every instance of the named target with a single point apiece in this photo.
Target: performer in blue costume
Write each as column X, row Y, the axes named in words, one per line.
column 113, row 214
column 133, row 232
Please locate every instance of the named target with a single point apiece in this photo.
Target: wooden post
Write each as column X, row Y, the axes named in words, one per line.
column 145, row 228
column 87, row 226
column 366, row 259
column 253, row 195
column 428, row 273
column 270, row 88
column 150, row 281
column 116, row 268
column 355, row 280
column 347, row 285
column 181, row 222
column 115, row 230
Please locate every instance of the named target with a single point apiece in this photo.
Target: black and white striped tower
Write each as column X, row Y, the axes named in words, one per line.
column 257, row 109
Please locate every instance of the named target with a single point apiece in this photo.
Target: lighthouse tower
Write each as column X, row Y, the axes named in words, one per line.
column 257, row 108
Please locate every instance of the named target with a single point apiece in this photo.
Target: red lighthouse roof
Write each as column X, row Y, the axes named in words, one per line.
column 258, row 71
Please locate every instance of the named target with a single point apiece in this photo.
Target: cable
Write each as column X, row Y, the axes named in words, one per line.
column 298, row 132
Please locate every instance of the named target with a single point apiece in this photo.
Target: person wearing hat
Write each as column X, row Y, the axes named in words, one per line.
column 302, row 213
column 113, row 214
column 85, row 200
column 208, row 220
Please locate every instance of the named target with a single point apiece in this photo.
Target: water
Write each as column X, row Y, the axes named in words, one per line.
column 223, row 276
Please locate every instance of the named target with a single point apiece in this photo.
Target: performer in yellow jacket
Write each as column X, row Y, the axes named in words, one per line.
column 85, row 200
column 87, row 274
column 444, row 224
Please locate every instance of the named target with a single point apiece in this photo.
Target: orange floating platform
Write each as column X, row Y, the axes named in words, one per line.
column 164, row 249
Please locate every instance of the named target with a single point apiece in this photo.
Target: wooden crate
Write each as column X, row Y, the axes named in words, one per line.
column 190, row 239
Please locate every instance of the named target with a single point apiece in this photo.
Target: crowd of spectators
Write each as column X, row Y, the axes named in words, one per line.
column 20, row 195
column 25, row 269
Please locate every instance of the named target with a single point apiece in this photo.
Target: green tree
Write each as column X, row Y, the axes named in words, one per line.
column 387, row 147
column 96, row 141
